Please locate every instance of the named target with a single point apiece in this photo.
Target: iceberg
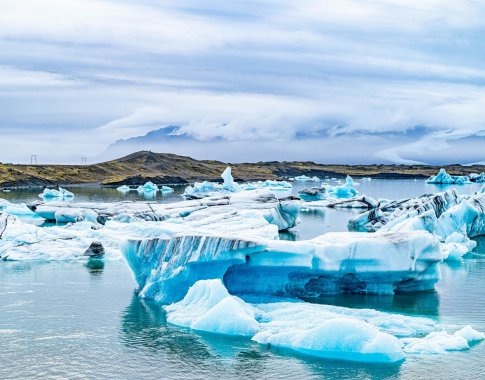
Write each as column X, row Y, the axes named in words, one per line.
column 147, row 187
column 22, row 241
column 478, row 178
column 444, row 178
column 281, row 212
column 209, row 307
column 229, row 183
column 280, row 189
column 254, row 215
column 440, row 342
column 21, row 209
column 304, row 178
column 389, row 213
column 362, row 201
column 331, row 194
column 346, row 190
column 452, row 219
column 166, row 190
column 164, row 269
column 313, row 194
column 56, row 194
column 124, row 189
column 321, row 331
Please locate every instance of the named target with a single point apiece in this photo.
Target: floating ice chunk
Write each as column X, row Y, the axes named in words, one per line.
column 209, row 307
column 470, row 334
column 304, row 178
column 166, row 189
column 229, row 183
column 323, row 331
column 456, row 237
column 391, row 213
column 440, row 342
column 15, row 209
column 346, row 190
column 56, row 194
column 124, row 189
column 444, row 178
column 467, row 218
column 338, row 338
column 313, row 194
column 453, row 251
column 147, row 187
column 73, row 215
column 478, row 178
column 366, row 179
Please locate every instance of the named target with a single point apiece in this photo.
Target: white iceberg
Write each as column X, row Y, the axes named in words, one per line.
column 124, row 189
column 166, row 190
column 304, row 178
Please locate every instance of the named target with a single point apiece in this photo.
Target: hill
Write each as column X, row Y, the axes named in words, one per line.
column 165, row 168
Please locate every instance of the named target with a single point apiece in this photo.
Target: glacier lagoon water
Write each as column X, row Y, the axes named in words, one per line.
column 69, row 320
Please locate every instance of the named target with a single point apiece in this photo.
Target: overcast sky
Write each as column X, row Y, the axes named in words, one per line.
column 331, row 81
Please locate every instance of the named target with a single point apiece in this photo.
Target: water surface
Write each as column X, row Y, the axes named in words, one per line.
column 70, row 320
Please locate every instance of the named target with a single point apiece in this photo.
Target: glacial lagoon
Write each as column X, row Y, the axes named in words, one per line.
column 80, row 320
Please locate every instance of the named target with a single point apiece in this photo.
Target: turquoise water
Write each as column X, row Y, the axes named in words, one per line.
column 68, row 320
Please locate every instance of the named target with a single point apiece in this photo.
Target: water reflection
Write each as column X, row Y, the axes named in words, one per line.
column 95, row 267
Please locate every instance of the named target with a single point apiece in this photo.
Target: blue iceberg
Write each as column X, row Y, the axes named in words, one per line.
column 60, row 193
column 444, row 178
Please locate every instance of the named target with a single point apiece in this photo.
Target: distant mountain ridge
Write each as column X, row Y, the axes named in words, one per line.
column 166, row 168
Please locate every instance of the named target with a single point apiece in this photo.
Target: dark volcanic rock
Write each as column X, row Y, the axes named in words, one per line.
column 95, row 250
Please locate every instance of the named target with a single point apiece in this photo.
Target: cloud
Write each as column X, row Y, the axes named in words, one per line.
column 269, row 71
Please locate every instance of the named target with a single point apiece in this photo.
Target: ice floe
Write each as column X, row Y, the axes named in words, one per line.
column 322, row 331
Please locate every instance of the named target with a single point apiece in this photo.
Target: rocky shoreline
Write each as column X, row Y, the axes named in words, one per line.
column 170, row 169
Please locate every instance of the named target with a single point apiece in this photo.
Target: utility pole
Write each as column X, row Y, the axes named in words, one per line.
column 33, row 159
column 84, row 160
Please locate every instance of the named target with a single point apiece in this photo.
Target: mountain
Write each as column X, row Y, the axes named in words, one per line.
column 165, row 168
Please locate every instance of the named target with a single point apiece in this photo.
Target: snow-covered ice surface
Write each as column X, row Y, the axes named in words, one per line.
column 253, row 214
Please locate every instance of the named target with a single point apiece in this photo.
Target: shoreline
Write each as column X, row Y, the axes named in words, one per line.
column 169, row 169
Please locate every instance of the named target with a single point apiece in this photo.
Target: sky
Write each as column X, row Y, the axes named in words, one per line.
column 347, row 81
